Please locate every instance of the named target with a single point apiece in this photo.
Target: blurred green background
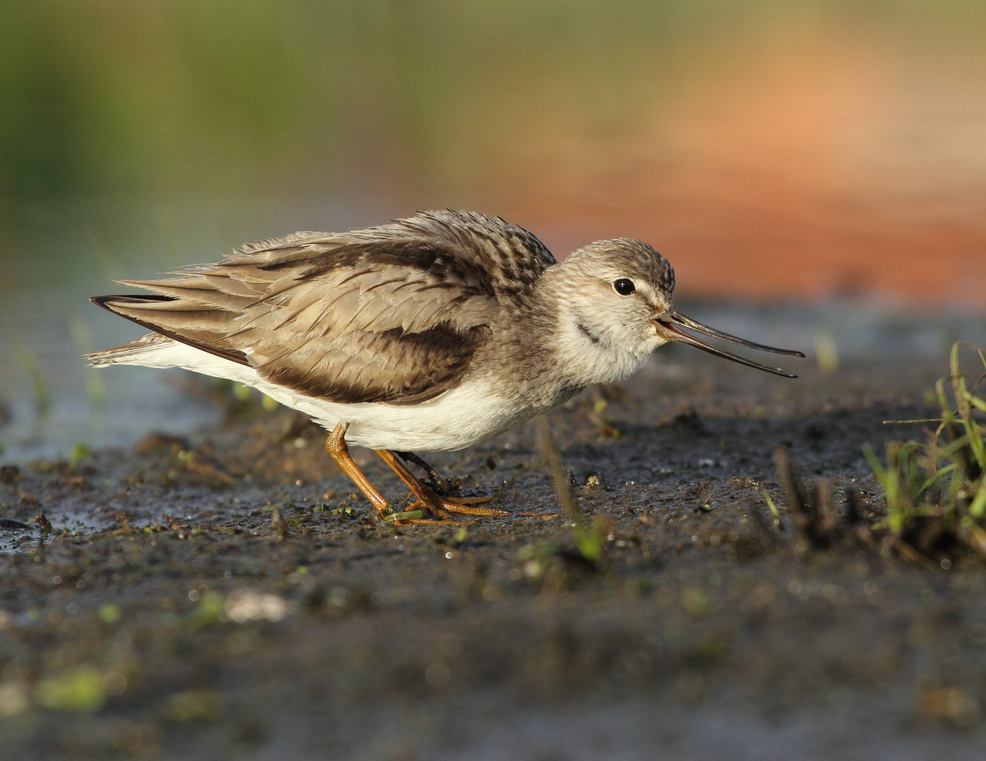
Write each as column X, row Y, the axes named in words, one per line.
column 777, row 150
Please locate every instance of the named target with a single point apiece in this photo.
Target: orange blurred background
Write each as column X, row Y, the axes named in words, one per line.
column 816, row 168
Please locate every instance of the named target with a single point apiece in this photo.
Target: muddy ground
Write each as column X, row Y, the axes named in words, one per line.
column 229, row 595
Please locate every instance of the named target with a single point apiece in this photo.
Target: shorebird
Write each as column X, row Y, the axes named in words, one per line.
column 434, row 333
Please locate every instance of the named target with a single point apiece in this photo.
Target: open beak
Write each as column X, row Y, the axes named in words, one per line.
column 670, row 326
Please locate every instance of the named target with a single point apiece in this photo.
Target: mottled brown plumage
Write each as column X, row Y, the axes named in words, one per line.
column 391, row 314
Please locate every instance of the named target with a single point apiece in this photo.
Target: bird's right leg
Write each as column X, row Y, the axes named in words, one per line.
column 338, row 450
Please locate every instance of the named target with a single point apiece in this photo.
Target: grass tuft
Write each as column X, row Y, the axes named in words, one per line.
column 589, row 536
column 817, row 523
column 39, row 383
column 935, row 490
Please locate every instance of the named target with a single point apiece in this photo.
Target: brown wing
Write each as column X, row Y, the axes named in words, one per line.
column 391, row 314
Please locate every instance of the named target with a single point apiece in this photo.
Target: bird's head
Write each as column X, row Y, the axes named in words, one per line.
column 616, row 296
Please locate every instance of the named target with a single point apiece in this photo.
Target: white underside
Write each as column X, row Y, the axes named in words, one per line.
column 466, row 415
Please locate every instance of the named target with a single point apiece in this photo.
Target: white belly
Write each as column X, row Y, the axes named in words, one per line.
column 466, row 415
column 458, row 418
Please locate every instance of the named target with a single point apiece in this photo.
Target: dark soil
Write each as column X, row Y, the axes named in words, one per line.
column 230, row 596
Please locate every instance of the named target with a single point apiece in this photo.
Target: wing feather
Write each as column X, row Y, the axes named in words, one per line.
column 387, row 314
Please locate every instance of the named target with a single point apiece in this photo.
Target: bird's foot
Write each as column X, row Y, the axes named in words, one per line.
column 436, row 510
column 430, row 508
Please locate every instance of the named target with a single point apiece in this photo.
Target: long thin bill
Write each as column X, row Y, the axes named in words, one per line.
column 674, row 321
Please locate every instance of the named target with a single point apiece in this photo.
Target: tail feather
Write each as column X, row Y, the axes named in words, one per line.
column 171, row 318
column 131, row 353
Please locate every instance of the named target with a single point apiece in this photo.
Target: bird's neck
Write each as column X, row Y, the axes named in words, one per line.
column 584, row 350
column 590, row 355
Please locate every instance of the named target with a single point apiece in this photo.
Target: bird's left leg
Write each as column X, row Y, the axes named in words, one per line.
column 441, row 507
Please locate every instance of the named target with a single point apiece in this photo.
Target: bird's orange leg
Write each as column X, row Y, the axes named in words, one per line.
column 442, row 507
column 338, row 450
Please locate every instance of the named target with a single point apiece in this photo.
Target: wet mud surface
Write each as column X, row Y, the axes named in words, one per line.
column 229, row 595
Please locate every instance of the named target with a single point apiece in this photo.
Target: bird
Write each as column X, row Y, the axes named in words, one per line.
column 434, row 332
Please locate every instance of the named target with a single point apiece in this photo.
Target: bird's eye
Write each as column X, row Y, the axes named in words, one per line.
column 624, row 286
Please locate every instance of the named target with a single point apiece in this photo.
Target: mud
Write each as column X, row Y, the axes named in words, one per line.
column 228, row 595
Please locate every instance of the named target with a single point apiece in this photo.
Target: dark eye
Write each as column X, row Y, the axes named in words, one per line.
column 624, row 286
